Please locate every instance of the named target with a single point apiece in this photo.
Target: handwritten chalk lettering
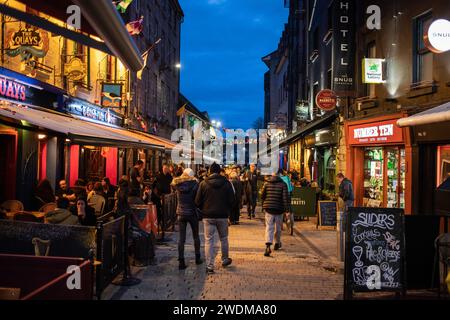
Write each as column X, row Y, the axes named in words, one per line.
column 360, row 276
column 394, row 244
column 383, row 221
column 365, row 235
column 381, row 254
column 374, row 279
column 391, row 284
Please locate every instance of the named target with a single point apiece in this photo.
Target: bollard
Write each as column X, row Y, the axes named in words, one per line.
column 340, row 236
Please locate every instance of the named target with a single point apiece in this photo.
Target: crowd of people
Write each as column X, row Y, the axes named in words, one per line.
column 213, row 195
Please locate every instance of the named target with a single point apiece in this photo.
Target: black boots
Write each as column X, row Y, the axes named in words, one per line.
column 268, row 251
column 277, row 246
column 182, row 265
column 198, row 260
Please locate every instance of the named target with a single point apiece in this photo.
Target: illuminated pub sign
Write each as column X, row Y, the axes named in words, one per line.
column 27, row 43
column 93, row 112
column 375, row 133
column 12, row 90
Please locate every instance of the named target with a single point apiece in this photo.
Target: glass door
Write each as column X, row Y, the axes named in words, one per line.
column 373, row 177
column 395, row 177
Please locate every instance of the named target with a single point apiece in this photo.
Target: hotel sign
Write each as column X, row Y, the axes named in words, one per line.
column 437, row 37
column 375, row 133
column 343, row 46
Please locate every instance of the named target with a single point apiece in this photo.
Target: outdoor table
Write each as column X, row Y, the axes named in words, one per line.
column 37, row 214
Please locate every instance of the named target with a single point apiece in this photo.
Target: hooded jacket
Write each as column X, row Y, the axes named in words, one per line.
column 274, row 195
column 61, row 216
column 215, row 197
column 186, row 188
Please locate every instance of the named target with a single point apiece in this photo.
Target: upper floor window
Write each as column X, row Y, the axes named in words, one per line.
column 423, row 57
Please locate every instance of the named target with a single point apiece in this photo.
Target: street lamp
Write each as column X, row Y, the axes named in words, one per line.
column 178, row 66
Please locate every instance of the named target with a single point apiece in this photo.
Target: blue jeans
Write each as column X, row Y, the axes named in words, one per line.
column 210, row 230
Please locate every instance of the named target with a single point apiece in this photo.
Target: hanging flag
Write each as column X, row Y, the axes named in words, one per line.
column 123, row 5
column 145, row 56
column 135, row 27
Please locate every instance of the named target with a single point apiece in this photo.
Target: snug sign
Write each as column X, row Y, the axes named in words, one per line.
column 326, row 100
column 437, row 38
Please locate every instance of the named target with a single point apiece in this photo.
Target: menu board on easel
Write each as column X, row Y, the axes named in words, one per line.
column 375, row 251
column 327, row 213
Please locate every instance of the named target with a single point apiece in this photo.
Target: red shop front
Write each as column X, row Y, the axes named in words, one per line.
column 379, row 157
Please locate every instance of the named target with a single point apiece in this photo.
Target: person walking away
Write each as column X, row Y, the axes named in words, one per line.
column 274, row 198
column 346, row 194
column 161, row 187
column 215, row 198
column 136, row 177
column 285, row 177
column 238, row 189
column 186, row 187
column 251, row 190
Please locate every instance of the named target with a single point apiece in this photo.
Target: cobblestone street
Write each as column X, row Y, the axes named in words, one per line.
column 305, row 268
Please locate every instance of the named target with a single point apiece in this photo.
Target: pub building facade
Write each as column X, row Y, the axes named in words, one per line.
column 398, row 75
column 63, row 99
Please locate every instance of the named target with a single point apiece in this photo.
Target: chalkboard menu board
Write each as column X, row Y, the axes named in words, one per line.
column 374, row 253
column 328, row 213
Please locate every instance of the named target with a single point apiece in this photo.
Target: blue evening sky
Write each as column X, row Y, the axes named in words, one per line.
column 222, row 43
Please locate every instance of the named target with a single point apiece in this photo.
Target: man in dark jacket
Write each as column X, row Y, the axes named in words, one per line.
column 186, row 187
column 274, row 197
column 345, row 193
column 215, row 197
column 251, row 190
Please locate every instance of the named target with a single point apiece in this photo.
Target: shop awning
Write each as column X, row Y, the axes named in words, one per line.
column 168, row 144
column 77, row 130
column 318, row 124
column 434, row 115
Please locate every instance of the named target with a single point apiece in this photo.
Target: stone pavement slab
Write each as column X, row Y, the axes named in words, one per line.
column 305, row 268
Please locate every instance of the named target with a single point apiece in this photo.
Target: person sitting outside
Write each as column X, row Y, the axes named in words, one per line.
column 85, row 213
column 61, row 215
column 96, row 200
column 43, row 193
column 64, row 191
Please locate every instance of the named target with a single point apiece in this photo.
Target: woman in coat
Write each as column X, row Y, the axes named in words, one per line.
column 186, row 187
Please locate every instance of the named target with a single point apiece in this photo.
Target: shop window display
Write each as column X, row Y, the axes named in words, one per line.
column 384, row 177
column 373, row 176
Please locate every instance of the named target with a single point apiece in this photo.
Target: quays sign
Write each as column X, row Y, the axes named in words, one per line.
column 12, row 90
column 343, row 46
column 27, row 43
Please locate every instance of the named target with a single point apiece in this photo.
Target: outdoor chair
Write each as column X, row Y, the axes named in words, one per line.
column 442, row 256
column 98, row 203
column 12, row 205
column 41, row 247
